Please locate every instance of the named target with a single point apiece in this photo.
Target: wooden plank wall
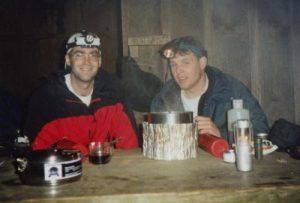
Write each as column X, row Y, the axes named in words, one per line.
column 256, row 41
column 33, row 34
column 295, row 55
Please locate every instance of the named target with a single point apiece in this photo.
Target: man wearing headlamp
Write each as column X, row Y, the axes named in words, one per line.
column 81, row 104
column 202, row 89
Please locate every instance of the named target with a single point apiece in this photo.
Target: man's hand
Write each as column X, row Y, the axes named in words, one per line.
column 206, row 126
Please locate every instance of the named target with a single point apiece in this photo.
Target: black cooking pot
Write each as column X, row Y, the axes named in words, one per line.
column 49, row 167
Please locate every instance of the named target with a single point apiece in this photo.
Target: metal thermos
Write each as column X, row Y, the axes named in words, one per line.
column 236, row 113
column 243, row 144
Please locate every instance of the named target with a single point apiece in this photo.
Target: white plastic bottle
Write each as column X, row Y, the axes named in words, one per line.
column 234, row 114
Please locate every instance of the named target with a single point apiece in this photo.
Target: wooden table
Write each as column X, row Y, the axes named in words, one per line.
column 130, row 177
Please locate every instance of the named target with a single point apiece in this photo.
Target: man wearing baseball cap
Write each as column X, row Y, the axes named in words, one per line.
column 202, row 89
column 80, row 104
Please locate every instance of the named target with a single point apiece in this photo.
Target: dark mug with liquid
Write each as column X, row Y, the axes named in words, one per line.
column 100, row 152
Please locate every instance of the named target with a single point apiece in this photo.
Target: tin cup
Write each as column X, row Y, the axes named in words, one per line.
column 262, row 136
column 261, row 144
column 100, row 152
column 258, row 147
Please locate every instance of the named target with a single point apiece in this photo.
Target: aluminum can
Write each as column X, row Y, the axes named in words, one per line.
column 258, row 148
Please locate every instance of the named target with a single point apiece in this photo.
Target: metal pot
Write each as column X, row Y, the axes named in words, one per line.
column 49, row 167
column 169, row 136
column 171, row 117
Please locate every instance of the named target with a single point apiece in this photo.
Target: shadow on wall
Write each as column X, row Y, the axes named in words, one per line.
column 138, row 86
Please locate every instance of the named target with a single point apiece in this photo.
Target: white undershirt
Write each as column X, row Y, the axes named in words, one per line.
column 191, row 104
column 85, row 99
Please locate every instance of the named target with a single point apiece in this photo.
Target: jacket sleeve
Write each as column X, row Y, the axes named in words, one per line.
column 257, row 116
column 128, row 111
column 122, row 128
column 41, row 112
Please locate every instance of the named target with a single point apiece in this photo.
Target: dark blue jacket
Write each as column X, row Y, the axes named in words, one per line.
column 215, row 102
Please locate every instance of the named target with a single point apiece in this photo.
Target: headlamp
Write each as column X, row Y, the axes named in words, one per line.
column 87, row 41
column 168, row 53
column 83, row 39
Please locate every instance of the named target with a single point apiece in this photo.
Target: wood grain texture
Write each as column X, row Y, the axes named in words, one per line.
column 130, row 177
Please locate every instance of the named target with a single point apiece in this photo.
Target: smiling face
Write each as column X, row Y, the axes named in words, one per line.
column 188, row 71
column 84, row 63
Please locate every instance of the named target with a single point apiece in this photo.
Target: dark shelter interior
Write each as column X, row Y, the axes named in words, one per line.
column 256, row 41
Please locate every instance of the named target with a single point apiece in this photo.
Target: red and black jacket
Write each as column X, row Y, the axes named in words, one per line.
column 56, row 114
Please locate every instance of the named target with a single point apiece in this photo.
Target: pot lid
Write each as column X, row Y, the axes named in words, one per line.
column 171, row 117
column 52, row 155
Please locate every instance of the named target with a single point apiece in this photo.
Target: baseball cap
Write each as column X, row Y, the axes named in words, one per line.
column 83, row 39
column 182, row 45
